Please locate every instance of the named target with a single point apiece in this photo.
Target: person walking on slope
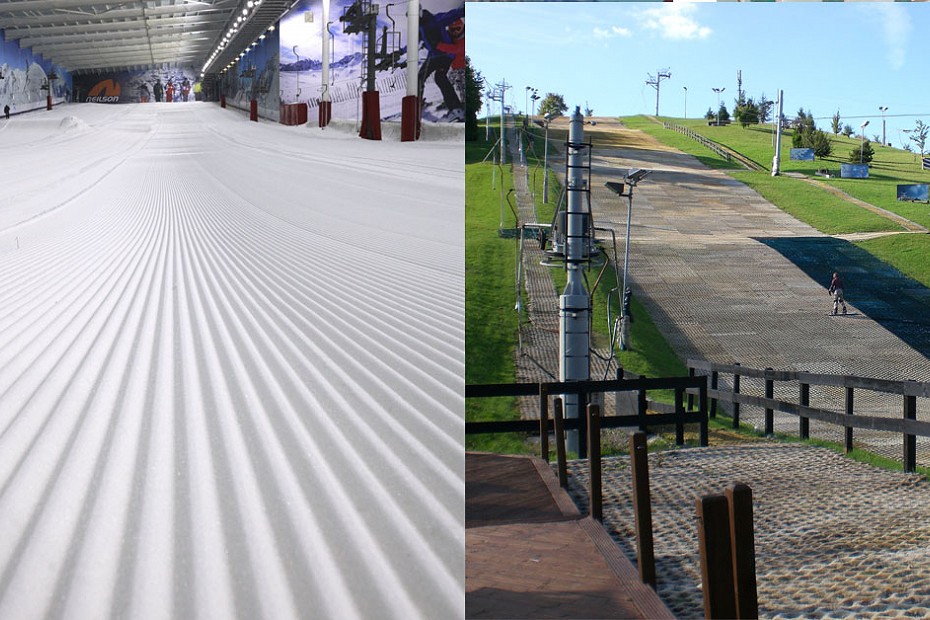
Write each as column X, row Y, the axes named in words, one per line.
column 836, row 290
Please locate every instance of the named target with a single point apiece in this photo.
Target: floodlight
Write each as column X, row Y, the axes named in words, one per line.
column 863, row 125
column 615, row 187
column 635, row 175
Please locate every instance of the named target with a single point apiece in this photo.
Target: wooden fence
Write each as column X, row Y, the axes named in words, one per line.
column 908, row 425
column 716, row 148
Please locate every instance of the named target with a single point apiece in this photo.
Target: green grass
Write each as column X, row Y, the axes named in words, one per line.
column 889, row 167
column 906, row 253
column 824, row 211
column 490, row 322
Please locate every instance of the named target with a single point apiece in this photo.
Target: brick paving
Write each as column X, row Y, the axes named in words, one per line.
column 530, row 554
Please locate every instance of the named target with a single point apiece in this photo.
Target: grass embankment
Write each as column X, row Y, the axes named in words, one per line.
column 490, row 322
column 909, row 254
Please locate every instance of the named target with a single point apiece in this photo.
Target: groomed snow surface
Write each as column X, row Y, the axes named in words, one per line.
column 231, row 368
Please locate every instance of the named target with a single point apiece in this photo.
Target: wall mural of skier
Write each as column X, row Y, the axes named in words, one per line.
column 440, row 57
column 255, row 76
column 25, row 84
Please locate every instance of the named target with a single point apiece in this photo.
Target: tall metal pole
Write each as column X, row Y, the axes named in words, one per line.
column 776, row 162
column 546, row 165
column 718, row 91
column 883, row 108
column 686, row 101
column 574, row 304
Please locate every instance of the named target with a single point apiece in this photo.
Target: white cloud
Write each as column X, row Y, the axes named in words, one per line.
column 673, row 21
column 613, row 31
column 896, row 32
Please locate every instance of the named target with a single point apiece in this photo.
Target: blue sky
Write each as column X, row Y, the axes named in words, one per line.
column 851, row 57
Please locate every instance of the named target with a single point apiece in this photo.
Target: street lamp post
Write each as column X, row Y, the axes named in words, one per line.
column 718, row 91
column 548, row 118
column 534, row 98
column 686, row 101
column 632, row 177
column 862, row 138
column 883, row 109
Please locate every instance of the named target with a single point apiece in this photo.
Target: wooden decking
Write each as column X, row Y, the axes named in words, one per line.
column 529, row 553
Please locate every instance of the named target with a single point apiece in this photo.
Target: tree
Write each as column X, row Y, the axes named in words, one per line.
column 820, row 142
column 709, row 115
column 919, row 136
column 847, row 130
column 765, row 108
column 866, row 155
column 587, row 110
column 722, row 113
column 835, row 125
column 552, row 103
column 746, row 113
column 473, row 83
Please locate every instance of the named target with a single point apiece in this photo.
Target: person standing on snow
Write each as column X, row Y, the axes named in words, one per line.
column 836, row 290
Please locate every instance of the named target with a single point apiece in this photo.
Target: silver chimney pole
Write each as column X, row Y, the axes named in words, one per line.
column 776, row 163
column 574, row 303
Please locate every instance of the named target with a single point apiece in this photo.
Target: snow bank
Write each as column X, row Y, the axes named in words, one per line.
column 231, row 369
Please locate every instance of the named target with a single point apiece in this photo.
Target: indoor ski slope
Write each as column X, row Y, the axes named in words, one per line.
column 231, row 368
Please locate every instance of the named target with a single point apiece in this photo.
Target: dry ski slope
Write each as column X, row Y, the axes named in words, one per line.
column 231, row 369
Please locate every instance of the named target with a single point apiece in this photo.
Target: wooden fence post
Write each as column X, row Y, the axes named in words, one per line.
column 742, row 538
column 805, row 401
column 642, row 508
column 910, row 441
column 582, row 426
column 560, row 444
column 543, row 422
column 713, row 523
column 690, row 395
column 641, row 405
column 714, row 380
column 679, row 411
column 769, row 413
column 736, row 391
column 702, row 404
column 849, row 429
column 594, row 462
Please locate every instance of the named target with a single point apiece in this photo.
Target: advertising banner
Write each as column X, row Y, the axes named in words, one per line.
column 28, row 79
column 145, row 86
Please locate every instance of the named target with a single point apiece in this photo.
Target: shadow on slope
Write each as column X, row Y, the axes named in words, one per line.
column 881, row 292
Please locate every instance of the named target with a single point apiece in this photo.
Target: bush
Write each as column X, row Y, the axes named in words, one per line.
column 866, row 155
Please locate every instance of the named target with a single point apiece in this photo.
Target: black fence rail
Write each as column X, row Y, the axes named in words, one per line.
column 908, row 425
column 647, row 414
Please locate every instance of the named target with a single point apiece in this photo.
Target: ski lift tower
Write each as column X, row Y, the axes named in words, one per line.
column 362, row 17
column 575, row 303
column 47, row 86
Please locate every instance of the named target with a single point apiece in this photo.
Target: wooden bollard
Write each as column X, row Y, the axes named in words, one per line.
column 543, row 422
column 642, row 508
column 594, row 462
column 562, row 465
column 679, row 411
column 726, row 540
column 742, row 538
column 713, row 523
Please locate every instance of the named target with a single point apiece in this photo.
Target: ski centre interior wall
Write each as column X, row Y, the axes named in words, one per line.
column 28, row 79
column 286, row 67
